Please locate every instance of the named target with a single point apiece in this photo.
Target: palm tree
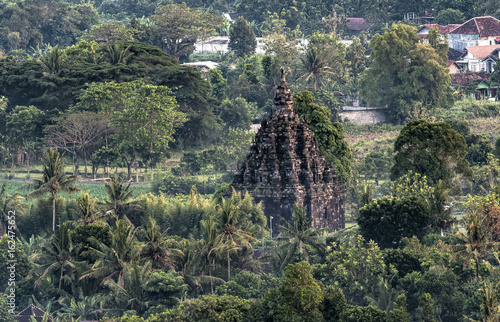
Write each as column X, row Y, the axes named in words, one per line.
column 87, row 307
column 119, row 199
column 87, row 211
column 299, row 238
column 230, row 238
column 386, row 297
column 209, row 242
column 53, row 180
column 113, row 259
column 53, row 60
column 128, row 289
column 314, row 65
column 10, row 205
column 157, row 247
column 475, row 243
column 118, row 54
column 56, row 258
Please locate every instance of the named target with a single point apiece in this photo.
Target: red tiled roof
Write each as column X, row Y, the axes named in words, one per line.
column 482, row 26
column 357, row 24
column 463, row 78
column 455, row 54
column 482, row 51
column 442, row 29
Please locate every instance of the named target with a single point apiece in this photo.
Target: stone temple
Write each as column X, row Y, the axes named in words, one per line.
column 285, row 167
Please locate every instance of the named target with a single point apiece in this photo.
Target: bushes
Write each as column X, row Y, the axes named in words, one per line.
column 469, row 108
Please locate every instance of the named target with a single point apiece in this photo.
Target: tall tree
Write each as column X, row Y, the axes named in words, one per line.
column 299, row 239
column 53, row 180
column 146, row 124
column 56, row 258
column 324, row 61
column 242, row 38
column 180, row 26
column 434, row 150
column 231, row 237
column 406, row 76
column 330, row 136
column 23, row 129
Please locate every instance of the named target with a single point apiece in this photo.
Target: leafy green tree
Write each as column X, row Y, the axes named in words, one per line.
column 109, row 32
column 164, row 288
column 300, row 290
column 495, row 77
column 23, row 128
column 427, row 308
column 242, row 38
column 146, row 124
column 5, row 315
column 224, row 308
column 23, row 265
column 180, row 26
column 406, row 76
column 299, row 298
column 238, row 113
column 53, row 180
column 330, row 136
column 354, row 266
column 434, row 150
column 399, row 313
column 217, row 83
column 299, row 239
column 364, row 313
column 449, row 16
column 387, row 220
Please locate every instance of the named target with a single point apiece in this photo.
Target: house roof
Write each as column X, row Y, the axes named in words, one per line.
column 357, row 24
column 442, row 29
column 482, row 26
column 463, row 78
column 30, row 311
column 455, row 54
column 482, row 51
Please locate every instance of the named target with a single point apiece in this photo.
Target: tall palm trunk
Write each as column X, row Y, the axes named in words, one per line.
column 54, row 211
column 228, row 266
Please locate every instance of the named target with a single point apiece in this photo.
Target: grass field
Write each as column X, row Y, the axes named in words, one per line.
column 94, row 190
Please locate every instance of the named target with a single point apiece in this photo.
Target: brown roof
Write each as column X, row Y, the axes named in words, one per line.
column 482, row 51
column 357, row 24
column 454, row 54
column 482, row 26
column 30, row 311
column 463, row 78
column 442, row 29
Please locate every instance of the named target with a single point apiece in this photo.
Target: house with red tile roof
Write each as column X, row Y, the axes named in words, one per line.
column 444, row 30
column 354, row 26
column 478, row 31
column 480, row 58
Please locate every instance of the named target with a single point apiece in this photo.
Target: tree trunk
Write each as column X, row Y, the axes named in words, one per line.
column 228, row 267
column 85, row 161
column 54, row 212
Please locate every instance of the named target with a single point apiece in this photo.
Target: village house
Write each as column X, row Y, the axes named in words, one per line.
column 479, row 31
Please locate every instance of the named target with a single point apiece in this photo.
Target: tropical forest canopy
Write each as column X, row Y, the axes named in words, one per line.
column 97, row 92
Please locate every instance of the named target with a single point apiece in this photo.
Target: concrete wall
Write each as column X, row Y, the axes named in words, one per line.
column 459, row 41
column 367, row 116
